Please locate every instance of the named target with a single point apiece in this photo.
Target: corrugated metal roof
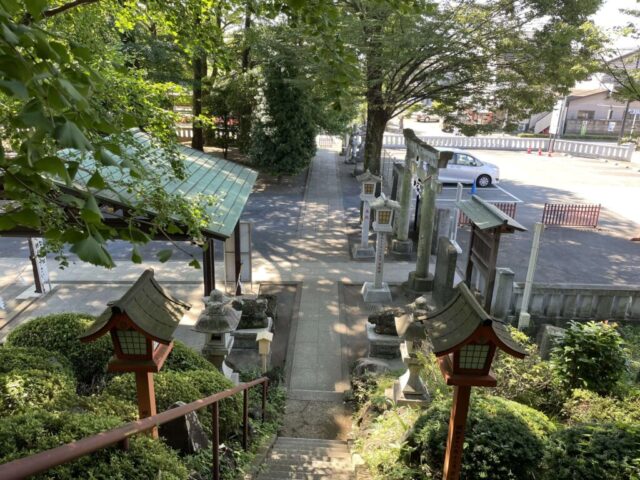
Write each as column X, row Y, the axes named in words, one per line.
column 486, row 216
column 148, row 305
column 205, row 174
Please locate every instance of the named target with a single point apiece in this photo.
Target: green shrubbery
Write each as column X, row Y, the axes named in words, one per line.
column 171, row 387
column 59, row 333
column 184, row 358
column 591, row 355
column 39, row 430
column 23, row 389
column 503, row 439
column 594, row 452
column 33, row 358
column 585, row 406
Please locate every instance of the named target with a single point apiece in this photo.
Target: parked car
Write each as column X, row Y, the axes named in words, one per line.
column 426, row 117
column 466, row 168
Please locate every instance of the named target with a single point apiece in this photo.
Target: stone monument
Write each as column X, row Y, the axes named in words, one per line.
column 367, row 195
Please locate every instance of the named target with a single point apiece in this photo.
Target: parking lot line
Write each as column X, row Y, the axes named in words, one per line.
column 481, row 193
column 510, row 194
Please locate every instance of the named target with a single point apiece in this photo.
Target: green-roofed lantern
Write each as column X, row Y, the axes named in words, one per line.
column 141, row 324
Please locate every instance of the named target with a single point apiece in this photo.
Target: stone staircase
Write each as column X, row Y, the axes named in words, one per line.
column 309, row 459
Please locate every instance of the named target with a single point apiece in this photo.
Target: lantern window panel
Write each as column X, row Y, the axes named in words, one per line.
column 368, row 188
column 473, row 357
column 384, row 217
column 132, row 342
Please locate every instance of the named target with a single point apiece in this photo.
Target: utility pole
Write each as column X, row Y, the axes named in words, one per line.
column 524, row 319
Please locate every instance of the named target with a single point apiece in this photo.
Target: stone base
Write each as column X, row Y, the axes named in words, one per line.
column 245, row 338
column 358, row 252
column 376, row 295
column 382, row 346
column 395, row 394
column 402, row 247
column 419, row 284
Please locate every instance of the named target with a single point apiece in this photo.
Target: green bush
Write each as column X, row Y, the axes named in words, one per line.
column 22, row 389
column 171, row 387
column 503, row 439
column 594, row 452
column 184, row 358
column 102, row 404
column 590, row 355
column 585, row 406
column 24, row 358
column 59, row 333
column 38, row 430
column 531, row 381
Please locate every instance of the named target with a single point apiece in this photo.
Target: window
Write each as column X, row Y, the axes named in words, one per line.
column 384, row 217
column 586, row 114
column 465, row 160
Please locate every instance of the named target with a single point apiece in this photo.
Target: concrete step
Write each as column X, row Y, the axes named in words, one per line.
column 308, row 458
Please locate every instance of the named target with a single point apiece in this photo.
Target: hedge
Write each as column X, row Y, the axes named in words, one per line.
column 33, row 358
column 23, row 389
column 59, row 333
column 504, row 440
column 184, row 358
column 38, row 430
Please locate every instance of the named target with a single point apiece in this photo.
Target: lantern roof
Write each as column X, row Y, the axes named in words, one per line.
column 148, row 306
column 455, row 324
column 367, row 176
column 264, row 335
column 410, row 327
column 383, row 202
column 487, row 216
column 218, row 315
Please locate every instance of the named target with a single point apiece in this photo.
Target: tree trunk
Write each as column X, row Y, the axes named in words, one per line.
column 376, row 123
column 245, row 115
column 199, row 73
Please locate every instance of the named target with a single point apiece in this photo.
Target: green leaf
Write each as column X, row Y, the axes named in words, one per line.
column 14, row 88
column 195, row 263
column 90, row 250
column 10, row 37
column 164, row 255
column 52, row 165
column 91, row 211
column 25, row 217
column 96, row 181
column 69, row 135
column 135, row 255
column 35, row 7
column 32, row 115
column 6, row 223
column 106, row 157
column 173, row 229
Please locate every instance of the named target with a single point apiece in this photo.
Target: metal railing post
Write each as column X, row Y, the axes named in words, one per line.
column 215, row 440
column 265, row 386
column 245, row 420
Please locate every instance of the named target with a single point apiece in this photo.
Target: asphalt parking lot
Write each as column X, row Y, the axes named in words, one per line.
column 568, row 255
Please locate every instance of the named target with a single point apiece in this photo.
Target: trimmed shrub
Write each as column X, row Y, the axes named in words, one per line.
column 530, row 381
column 585, row 406
column 594, row 452
column 171, row 387
column 21, row 389
column 59, row 333
column 503, row 439
column 24, row 358
column 39, row 430
column 184, row 358
column 590, row 355
column 103, row 404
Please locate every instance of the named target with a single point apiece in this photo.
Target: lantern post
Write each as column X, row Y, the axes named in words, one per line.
column 369, row 182
column 141, row 325
column 465, row 339
column 384, row 208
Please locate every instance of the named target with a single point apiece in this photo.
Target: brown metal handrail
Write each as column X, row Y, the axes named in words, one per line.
column 43, row 461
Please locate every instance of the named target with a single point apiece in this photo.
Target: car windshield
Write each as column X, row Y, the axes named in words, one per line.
column 466, row 160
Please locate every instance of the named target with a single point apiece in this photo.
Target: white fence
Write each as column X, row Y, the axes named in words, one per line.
column 328, row 141
column 579, row 149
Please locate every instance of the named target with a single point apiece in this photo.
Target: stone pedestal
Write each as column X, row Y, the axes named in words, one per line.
column 360, row 252
column 548, row 337
column 371, row 294
column 216, row 350
column 444, row 278
column 419, row 284
column 409, row 389
column 245, row 338
column 383, row 346
column 402, row 247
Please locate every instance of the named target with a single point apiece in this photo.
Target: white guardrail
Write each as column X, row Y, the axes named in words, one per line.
column 578, row 149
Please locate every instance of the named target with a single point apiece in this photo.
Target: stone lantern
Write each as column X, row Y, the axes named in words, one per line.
column 384, row 208
column 217, row 321
column 141, row 324
column 410, row 389
column 369, row 182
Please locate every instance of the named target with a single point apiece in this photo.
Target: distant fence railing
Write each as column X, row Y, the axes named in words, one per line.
column 570, row 215
column 579, row 149
column 507, row 207
column 328, row 141
column 586, row 302
column 185, row 133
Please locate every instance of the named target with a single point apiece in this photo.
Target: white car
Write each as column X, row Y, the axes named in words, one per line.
column 467, row 168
